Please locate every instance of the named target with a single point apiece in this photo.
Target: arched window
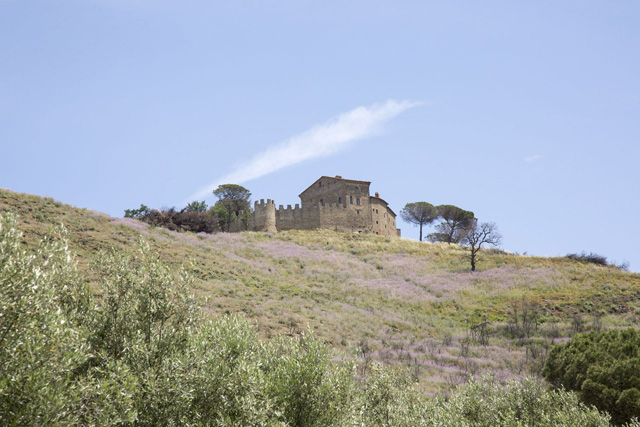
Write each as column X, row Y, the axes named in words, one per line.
column 357, row 188
column 358, row 201
column 339, row 200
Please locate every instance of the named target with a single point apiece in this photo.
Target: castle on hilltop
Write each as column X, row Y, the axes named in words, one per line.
column 330, row 203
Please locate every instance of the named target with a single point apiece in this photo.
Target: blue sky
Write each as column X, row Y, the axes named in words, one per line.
column 524, row 112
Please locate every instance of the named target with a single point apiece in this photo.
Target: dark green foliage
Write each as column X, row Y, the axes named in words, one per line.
column 604, row 368
column 453, row 226
column 234, row 199
column 196, row 206
column 184, row 220
column 194, row 217
column 419, row 213
column 137, row 213
column 593, row 258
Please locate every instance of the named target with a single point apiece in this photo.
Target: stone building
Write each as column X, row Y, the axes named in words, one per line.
column 331, row 203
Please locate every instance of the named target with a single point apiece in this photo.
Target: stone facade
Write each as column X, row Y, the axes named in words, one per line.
column 331, row 203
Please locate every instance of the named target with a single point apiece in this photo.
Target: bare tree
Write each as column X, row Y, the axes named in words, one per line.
column 419, row 213
column 478, row 235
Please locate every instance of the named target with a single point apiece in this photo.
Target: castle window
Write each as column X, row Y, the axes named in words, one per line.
column 320, row 184
column 322, row 202
column 358, row 212
column 351, row 199
column 376, row 211
column 376, row 222
column 357, row 187
column 358, row 201
column 339, row 200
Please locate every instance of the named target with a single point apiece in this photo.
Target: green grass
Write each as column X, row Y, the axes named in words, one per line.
column 413, row 303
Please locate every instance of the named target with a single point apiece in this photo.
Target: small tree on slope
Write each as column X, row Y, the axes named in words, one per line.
column 478, row 235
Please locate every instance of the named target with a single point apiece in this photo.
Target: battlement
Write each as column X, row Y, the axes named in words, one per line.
column 281, row 208
column 262, row 203
column 353, row 212
column 264, row 216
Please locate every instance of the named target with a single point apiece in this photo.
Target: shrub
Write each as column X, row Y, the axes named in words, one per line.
column 305, row 384
column 42, row 303
column 137, row 213
column 141, row 354
column 524, row 403
column 589, row 258
column 604, row 368
column 185, row 220
column 196, row 206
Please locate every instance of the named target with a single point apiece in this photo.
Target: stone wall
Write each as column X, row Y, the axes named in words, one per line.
column 383, row 220
column 264, row 216
column 330, row 203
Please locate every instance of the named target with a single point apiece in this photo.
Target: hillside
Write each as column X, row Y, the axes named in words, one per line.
column 393, row 300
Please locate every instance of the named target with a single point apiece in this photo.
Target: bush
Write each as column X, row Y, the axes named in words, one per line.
column 524, row 403
column 137, row 213
column 141, row 354
column 604, row 368
column 42, row 336
column 185, row 220
column 305, row 384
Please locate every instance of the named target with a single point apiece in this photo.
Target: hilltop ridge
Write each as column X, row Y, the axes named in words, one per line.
column 395, row 300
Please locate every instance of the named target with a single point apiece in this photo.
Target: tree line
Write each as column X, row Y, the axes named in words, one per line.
column 232, row 210
column 456, row 226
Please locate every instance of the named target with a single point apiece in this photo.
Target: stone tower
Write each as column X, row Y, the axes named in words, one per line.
column 330, row 203
column 264, row 216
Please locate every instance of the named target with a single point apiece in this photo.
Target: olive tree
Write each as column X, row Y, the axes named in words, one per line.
column 419, row 213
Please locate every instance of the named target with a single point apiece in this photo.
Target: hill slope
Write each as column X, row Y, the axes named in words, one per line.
column 399, row 301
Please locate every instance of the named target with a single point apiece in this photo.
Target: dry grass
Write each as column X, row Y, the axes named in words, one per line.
column 399, row 301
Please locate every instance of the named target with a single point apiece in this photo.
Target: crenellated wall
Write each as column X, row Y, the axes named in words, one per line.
column 289, row 218
column 332, row 204
column 264, row 216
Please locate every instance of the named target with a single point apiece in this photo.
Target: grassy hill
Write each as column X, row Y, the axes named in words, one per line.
column 393, row 300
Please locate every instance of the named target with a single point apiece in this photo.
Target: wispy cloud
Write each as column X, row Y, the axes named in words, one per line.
column 319, row 141
column 532, row 158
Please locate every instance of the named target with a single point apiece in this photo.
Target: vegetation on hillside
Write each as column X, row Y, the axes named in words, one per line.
column 141, row 353
column 603, row 367
column 232, row 212
column 398, row 302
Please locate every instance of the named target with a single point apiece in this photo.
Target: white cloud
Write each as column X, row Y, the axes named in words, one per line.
column 319, row 141
column 533, row 158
